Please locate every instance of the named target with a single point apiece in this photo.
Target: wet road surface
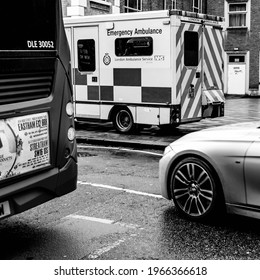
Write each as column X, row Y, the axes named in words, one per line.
column 117, row 213
column 237, row 110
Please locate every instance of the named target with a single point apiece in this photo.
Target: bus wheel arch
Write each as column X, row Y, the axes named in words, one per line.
column 122, row 119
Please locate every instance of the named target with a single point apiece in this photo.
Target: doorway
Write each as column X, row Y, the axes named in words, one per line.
column 236, row 84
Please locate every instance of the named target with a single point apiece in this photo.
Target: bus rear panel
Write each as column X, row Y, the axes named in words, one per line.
column 38, row 159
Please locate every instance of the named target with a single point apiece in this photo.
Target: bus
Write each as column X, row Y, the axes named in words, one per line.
column 38, row 156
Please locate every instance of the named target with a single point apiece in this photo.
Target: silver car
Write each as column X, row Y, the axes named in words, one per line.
column 213, row 170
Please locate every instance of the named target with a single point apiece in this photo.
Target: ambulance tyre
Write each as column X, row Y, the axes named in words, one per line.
column 123, row 120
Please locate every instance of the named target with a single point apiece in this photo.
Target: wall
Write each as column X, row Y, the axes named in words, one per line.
column 254, row 44
column 93, row 7
column 215, row 7
column 149, row 5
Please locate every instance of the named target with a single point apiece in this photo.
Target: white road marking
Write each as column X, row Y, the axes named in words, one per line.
column 130, row 226
column 103, row 221
column 106, row 249
column 91, row 219
column 120, row 189
column 96, row 254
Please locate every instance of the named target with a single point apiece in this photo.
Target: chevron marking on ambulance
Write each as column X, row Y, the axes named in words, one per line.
column 213, row 45
column 191, row 107
column 214, row 96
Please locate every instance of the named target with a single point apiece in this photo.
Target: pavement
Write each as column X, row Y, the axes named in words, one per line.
column 237, row 110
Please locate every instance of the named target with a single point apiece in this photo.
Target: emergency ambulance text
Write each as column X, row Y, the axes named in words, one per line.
column 136, row 31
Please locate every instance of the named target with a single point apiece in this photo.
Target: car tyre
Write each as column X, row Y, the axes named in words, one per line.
column 195, row 189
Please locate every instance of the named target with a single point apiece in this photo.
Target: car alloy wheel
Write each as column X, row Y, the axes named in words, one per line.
column 193, row 188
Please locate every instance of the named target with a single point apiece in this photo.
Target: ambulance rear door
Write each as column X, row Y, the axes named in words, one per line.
column 213, row 78
column 189, row 70
column 86, row 72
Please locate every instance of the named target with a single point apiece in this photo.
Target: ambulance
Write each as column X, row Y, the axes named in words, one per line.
column 162, row 68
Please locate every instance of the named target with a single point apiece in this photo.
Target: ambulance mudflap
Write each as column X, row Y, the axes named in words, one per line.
column 161, row 68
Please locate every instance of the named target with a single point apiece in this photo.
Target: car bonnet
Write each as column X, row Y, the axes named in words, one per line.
column 236, row 132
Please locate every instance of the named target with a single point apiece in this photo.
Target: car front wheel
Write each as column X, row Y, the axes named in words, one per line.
column 194, row 189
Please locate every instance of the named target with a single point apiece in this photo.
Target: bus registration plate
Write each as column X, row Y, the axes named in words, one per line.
column 4, row 209
column 24, row 144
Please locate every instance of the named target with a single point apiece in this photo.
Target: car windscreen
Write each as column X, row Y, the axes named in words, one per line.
column 28, row 25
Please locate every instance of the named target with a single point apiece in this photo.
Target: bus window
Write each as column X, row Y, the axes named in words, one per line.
column 191, row 48
column 86, row 55
column 30, row 25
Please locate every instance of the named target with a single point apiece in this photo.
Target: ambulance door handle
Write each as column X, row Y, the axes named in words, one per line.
column 191, row 90
column 197, row 75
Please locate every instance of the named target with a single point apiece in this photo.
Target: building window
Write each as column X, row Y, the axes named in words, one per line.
column 133, row 6
column 237, row 14
column 197, row 6
column 169, row 4
column 237, row 58
column 191, row 49
column 136, row 46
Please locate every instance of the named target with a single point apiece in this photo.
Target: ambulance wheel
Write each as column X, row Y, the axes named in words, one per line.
column 123, row 121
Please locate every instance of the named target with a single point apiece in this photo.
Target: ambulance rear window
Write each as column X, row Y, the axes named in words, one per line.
column 86, row 55
column 191, row 48
column 135, row 46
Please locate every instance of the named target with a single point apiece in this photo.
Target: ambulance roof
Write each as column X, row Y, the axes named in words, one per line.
column 164, row 14
column 196, row 15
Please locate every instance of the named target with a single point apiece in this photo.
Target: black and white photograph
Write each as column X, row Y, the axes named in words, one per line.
column 130, row 139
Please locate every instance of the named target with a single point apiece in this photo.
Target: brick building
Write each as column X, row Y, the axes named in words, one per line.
column 242, row 37
column 91, row 7
column 148, row 5
column 241, row 43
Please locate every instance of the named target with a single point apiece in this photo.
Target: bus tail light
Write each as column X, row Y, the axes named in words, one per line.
column 69, row 109
column 71, row 133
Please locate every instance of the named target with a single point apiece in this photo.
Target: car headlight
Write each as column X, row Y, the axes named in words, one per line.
column 167, row 150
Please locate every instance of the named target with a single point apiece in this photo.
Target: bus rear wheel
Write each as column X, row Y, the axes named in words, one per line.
column 123, row 121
